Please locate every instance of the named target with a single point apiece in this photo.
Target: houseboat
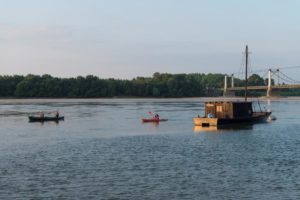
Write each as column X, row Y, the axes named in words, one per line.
column 231, row 112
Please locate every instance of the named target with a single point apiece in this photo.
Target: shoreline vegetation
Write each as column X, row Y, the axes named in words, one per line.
column 160, row 85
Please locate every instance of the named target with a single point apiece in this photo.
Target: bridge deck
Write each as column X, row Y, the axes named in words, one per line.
column 265, row 87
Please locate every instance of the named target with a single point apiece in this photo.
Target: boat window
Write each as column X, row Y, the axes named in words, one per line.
column 219, row 109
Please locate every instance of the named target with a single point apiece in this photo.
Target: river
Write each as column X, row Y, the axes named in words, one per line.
column 103, row 151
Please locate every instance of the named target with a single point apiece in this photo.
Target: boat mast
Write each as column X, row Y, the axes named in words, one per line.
column 246, row 75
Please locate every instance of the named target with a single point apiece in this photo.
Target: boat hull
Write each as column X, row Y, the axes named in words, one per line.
column 43, row 119
column 154, row 120
column 256, row 117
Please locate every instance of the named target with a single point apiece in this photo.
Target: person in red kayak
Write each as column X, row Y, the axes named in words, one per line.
column 156, row 116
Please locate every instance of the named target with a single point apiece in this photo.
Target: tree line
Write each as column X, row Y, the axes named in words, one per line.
column 159, row 85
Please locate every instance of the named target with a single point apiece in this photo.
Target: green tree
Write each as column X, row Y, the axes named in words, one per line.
column 255, row 80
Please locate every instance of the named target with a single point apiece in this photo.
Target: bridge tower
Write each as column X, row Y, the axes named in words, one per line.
column 269, row 89
column 226, row 91
column 225, row 86
column 278, row 77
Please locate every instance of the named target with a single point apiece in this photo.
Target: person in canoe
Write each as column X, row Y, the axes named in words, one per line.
column 156, row 116
column 56, row 114
column 48, row 116
column 42, row 115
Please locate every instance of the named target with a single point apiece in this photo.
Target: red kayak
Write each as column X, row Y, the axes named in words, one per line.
column 154, row 120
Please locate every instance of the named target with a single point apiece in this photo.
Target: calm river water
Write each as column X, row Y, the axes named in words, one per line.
column 103, row 151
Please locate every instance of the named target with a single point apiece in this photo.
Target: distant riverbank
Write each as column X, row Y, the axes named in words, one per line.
column 158, row 86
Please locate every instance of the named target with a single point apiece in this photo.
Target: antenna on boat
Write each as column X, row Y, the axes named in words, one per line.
column 246, row 75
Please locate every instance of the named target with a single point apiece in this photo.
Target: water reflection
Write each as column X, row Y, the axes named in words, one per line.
column 199, row 129
column 45, row 122
column 151, row 124
column 237, row 127
column 269, row 105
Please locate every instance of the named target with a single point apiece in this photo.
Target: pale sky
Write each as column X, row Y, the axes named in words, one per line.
column 129, row 38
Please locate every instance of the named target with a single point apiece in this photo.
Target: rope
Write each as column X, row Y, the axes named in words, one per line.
column 287, row 78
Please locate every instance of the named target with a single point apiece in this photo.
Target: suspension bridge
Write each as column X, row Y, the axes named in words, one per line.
column 276, row 80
